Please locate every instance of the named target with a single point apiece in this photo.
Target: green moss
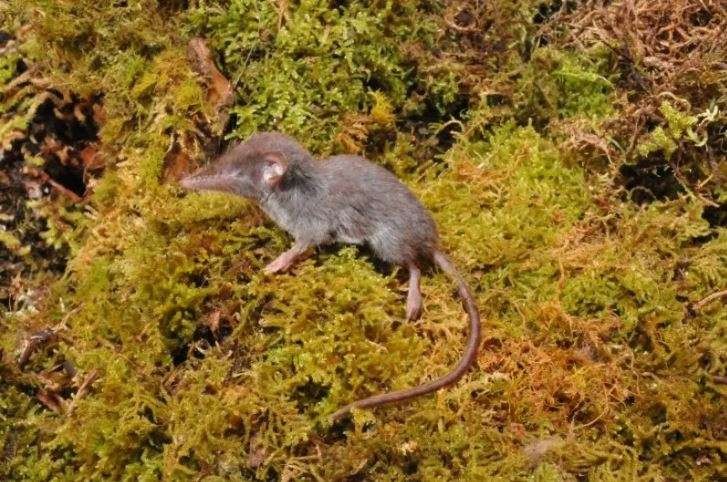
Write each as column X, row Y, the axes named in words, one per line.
column 302, row 69
column 13, row 244
column 106, row 190
column 562, row 84
column 665, row 139
column 8, row 67
column 546, row 473
column 584, row 90
column 17, row 123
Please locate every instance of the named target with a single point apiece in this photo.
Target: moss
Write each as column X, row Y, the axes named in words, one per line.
column 584, row 89
column 558, row 84
column 595, row 362
column 106, row 190
column 287, row 56
column 8, row 67
column 678, row 126
column 13, row 244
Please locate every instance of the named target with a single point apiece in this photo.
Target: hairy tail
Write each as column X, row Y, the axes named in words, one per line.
column 470, row 352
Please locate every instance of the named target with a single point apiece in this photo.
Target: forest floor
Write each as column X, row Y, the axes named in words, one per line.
column 572, row 152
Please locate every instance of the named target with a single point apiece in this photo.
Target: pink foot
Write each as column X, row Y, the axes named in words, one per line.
column 413, row 307
column 279, row 264
column 287, row 259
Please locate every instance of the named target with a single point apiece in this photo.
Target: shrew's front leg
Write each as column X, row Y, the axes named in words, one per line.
column 287, row 259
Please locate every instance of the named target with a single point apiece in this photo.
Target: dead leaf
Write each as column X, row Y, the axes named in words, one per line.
column 213, row 321
column 51, row 400
column 91, row 158
column 219, row 90
column 177, row 163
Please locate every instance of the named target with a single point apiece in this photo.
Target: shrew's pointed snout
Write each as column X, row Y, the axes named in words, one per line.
column 194, row 182
column 210, row 178
column 187, row 182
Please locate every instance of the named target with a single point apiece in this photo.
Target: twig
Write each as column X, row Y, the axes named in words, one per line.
column 705, row 301
column 283, row 17
column 83, row 389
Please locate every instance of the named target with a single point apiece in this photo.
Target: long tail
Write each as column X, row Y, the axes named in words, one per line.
column 470, row 352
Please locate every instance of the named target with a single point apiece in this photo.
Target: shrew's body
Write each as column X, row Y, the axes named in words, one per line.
column 343, row 199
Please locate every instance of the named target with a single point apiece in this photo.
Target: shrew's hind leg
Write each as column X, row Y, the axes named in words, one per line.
column 287, row 259
column 414, row 298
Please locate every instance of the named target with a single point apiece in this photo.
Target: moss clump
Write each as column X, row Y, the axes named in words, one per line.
column 668, row 111
column 678, row 127
column 178, row 359
column 557, row 84
column 284, row 58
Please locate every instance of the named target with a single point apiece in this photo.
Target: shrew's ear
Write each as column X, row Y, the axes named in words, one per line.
column 274, row 168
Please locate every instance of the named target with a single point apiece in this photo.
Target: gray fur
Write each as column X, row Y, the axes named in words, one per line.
column 344, row 199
